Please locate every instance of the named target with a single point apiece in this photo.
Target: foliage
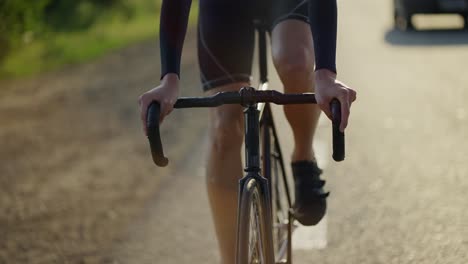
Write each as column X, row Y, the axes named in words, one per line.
column 80, row 14
column 22, row 20
column 48, row 34
column 19, row 16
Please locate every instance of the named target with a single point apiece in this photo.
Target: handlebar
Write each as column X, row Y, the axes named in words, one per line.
column 338, row 136
column 154, row 136
column 244, row 97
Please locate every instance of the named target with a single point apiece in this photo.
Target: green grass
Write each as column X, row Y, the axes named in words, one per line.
column 54, row 50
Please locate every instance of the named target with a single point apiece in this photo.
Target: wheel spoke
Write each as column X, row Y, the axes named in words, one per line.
column 255, row 243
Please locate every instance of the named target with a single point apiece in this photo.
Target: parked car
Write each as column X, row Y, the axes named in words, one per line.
column 405, row 9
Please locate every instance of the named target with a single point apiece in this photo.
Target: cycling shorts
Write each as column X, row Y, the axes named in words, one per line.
column 226, row 35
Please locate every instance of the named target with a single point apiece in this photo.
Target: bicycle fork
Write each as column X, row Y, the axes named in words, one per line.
column 253, row 187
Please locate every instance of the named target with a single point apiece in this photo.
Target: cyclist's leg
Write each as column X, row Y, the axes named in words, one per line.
column 293, row 56
column 224, row 169
column 225, row 50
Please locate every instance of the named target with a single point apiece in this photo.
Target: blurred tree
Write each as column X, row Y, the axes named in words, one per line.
column 19, row 18
column 80, row 14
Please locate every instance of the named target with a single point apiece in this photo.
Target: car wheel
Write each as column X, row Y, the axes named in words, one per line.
column 403, row 21
column 402, row 17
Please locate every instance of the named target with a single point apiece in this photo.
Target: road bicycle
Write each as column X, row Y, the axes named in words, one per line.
column 265, row 219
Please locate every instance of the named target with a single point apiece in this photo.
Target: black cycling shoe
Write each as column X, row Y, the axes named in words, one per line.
column 310, row 204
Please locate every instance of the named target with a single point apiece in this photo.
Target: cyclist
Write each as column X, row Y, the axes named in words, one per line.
column 225, row 49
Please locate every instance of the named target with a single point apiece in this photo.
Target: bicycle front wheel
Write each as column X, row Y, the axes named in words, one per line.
column 255, row 254
column 254, row 245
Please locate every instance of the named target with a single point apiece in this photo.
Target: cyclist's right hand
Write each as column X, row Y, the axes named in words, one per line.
column 327, row 87
column 166, row 94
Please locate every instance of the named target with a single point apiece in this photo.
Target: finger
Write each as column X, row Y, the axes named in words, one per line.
column 143, row 114
column 325, row 107
column 327, row 112
column 352, row 95
column 164, row 111
column 344, row 100
column 168, row 108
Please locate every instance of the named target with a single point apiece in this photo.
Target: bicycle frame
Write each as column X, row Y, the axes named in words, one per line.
column 253, row 182
column 254, row 187
column 274, row 171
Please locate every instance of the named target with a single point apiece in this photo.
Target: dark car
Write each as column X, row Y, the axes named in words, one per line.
column 404, row 9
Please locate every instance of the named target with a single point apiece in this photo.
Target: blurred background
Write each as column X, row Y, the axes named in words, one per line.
column 44, row 35
column 77, row 184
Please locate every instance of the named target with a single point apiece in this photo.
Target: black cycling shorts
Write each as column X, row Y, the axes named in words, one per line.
column 226, row 35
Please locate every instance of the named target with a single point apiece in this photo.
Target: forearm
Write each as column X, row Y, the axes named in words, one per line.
column 173, row 27
column 323, row 23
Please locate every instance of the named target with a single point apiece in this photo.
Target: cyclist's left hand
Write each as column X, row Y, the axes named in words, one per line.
column 327, row 87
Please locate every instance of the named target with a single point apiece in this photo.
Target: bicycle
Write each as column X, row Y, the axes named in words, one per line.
column 264, row 223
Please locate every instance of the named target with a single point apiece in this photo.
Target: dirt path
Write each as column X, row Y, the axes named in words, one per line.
column 74, row 165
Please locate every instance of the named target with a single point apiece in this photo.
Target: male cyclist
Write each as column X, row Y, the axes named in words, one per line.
column 225, row 48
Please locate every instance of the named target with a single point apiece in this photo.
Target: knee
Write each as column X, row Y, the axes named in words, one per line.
column 227, row 129
column 297, row 61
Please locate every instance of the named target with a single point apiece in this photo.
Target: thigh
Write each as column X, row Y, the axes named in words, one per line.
column 289, row 26
column 293, row 55
column 291, row 40
column 226, row 37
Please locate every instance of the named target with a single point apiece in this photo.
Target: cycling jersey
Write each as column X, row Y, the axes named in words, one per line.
column 226, row 34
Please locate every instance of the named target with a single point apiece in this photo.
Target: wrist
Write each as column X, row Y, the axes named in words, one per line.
column 171, row 78
column 324, row 74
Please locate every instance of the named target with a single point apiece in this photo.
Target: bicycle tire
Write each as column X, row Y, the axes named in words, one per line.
column 253, row 246
column 274, row 171
column 255, row 254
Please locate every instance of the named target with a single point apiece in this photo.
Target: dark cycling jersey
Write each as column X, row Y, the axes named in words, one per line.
column 173, row 27
column 323, row 23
